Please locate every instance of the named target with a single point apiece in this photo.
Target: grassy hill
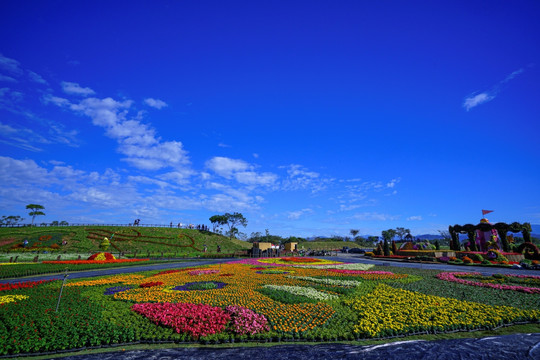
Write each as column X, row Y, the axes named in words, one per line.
column 326, row 245
column 128, row 240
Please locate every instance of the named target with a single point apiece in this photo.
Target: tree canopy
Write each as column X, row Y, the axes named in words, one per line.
column 231, row 220
column 10, row 220
column 36, row 211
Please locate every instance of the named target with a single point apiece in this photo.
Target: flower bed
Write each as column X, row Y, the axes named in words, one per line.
column 86, row 262
column 200, row 285
column 298, row 260
column 317, row 304
column 11, row 298
column 479, row 280
column 115, row 289
column 151, row 284
column 388, row 311
column 22, row 285
column 102, row 256
column 302, row 291
column 202, row 272
column 194, row 319
column 323, row 264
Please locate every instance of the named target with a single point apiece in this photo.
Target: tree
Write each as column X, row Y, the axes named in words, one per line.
column 36, row 211
column 217, row 220
column 373, row 239
column 387, row 235
column 10, row 220
column 354, row 232
column 255, row 237
column 231, row 220
column 446, row 237
column 401, row 232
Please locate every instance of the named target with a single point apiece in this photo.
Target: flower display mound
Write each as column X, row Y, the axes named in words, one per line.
column 296, row 261
column 388, row 311
column 299, row 260
column 524, row 283
column 370, row 275
column 202, row 320
column 101, row 256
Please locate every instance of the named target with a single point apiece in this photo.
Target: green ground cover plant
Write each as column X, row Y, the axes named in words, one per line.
column 355, row 306
column 32, row 269
column 131, row 241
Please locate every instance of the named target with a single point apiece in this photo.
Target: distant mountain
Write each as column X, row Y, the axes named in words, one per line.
column 429, row 237
column 534, row 233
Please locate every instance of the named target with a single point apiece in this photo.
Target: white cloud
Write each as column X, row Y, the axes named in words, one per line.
column 148, row 180
column 103, row 112
column 513, row 75
column 36, row 78
column 6, row 78
column 300, row 178
column 225, row 167
column 10, row 65
column 475, row 99
column 295, row 215
column 58, row 101
column 297, row 171
column 6, row 129
column 56, row 162
column 240, row 171
column 374, row 216
column 138, row 141
column 155, row 103
column 344, row 207
column 75, row 89
column 15, row 172
column 253, row 178
column 24, row 138
column 414, row 218
column 179, row 177
column 393, row 183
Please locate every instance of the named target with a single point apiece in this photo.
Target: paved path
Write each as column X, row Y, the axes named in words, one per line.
column 508, row 347
column 120, row 270
column 442, row 267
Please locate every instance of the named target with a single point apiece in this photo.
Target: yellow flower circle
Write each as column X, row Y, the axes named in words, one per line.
column 300, row 261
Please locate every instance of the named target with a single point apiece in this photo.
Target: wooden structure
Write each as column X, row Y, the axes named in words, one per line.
column 292, row 246
column 262, row 246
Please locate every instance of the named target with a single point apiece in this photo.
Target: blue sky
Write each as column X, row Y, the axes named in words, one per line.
column 309, row 117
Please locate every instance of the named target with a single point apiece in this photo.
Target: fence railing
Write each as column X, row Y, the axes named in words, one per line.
column 184, row 226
